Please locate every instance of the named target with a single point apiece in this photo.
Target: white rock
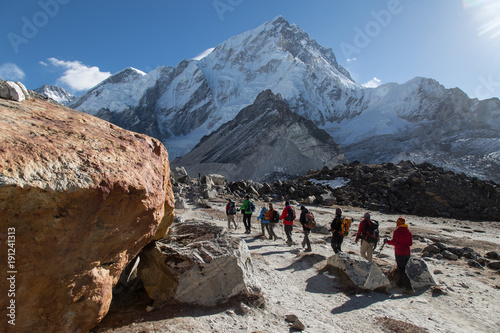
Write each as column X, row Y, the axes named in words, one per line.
column 15, row 91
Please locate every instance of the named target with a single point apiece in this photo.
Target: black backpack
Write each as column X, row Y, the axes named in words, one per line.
column 371, row 232
column 251, row 207
column 276, row 216
column 290, row 215
column 232, row 208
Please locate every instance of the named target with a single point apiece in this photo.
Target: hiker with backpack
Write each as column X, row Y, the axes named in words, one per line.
column 337, row 231
column 305, row 220
column 402, row 239
column 231, row 213
column 369, row 235
column 273, row 217
column 288, row 217
column 247, row 209
column 264, row 222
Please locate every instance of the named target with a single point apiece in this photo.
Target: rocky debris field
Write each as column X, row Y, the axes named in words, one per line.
column 403, row 188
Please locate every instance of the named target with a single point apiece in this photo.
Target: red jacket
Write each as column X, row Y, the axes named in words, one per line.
column 284, row 215
column 402, row 240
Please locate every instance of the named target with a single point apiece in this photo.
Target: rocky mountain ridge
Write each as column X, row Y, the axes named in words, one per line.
column 265, row 141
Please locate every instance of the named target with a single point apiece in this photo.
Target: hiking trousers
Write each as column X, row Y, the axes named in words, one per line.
column 337, row 240
column 403, row 279
column 306, row 241
column 265, row 226
column 247, row 218
column 288, row 232
column 366, row 250
column 272, row 235
column 230, row 218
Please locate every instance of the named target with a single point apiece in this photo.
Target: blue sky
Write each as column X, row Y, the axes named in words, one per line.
column 76, row 44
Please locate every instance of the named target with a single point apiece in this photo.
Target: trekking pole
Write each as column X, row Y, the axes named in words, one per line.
column 383, row 244
column 283, row 232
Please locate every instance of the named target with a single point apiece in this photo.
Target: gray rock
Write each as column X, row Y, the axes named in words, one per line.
column 190, row 264
column 180, row 203
column 475, row 264
column 419, row 273
column 448, row 255
column 433, row 248
column 494, row 265
column 179, row 173
column 360, row 272
column 492, row 255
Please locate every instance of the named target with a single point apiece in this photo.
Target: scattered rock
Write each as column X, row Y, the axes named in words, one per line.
column 432, row 249
column 448, row 255
column 438, row 291
column 189, row 264
column 475, row 264
column 492, row 255
column 358, row 271
column 493, row 265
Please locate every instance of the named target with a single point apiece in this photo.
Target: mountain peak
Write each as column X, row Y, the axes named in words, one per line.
column 58, row 94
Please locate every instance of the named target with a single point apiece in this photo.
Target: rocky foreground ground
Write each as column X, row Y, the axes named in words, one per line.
column 293, row 282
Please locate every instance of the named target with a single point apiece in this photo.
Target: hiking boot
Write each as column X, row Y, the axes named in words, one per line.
column 308, row 250
column 289, row 243
column 409, row 291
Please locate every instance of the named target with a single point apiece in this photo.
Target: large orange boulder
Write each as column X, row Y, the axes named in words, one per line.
column 79, row 198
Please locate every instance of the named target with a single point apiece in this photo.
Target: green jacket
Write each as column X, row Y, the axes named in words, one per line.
column 245, row 207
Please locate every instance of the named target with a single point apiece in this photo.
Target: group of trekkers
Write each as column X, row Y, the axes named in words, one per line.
column 368, row 232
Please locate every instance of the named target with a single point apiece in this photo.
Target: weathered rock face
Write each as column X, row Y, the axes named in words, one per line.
column 83, row 197
column 419, row 273
column 358, row 271
column 197, row 263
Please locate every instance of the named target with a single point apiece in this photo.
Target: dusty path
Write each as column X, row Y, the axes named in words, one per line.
column 294, row 282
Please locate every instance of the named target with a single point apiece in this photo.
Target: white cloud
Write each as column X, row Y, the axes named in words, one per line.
column 373, row 83
column 10, row 71
column 203, row 54
column 351, row 59
column 77, row 76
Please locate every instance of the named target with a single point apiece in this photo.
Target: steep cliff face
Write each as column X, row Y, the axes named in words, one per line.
column 264, row 141
column 82, row 197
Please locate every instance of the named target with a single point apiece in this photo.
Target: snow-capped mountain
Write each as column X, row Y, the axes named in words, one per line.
column 419, row 119
column 265, row 141
column 58, row 94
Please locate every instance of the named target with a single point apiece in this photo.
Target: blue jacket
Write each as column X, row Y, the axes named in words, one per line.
column 263, row 215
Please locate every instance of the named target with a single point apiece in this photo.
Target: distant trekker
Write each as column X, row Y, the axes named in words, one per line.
column 368, row 232
column 336, row 229
column 402, row 239
column 247, row 209
column 231, row 213
column 303, row 220
column 264, row 222
column 288, row 217
column 273, row 217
